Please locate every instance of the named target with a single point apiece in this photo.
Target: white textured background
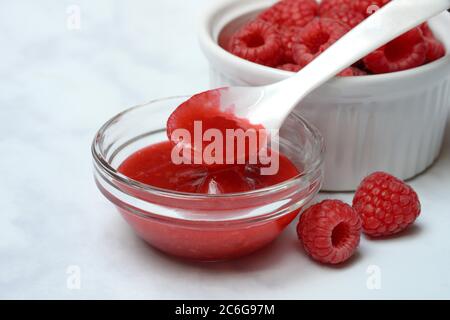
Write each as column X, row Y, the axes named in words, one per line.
column 57, row 86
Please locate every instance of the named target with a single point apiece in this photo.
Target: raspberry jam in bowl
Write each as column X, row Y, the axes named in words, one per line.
column 189, row 212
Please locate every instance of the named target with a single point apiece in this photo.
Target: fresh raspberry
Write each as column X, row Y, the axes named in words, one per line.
column 385, row 204
column 405, row 52
column 368, row 7
column 330, row 231
column 258, row 42
column 426, row 30
column 345, row 15
column 435, row 48
column 288, row 38
column 290, row 67
column 289, row 13
column 352, row 72
column 315, row 38
column 332, row 5
column 364, row 7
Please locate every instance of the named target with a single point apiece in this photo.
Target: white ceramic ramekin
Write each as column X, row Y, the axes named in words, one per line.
column 391, row 122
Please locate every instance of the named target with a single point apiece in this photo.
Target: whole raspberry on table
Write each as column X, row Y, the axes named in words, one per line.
column 258, row 42
column 435, row 48
column 405, row 52
column 330, row 231
column 345, row 14
column 290, row 13
column 316, row 37
column 385, row 204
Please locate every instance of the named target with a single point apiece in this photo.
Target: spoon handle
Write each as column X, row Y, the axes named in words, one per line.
column 389, row 22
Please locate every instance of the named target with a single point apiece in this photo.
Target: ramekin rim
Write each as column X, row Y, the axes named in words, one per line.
column 206, row 39
column 99, row 159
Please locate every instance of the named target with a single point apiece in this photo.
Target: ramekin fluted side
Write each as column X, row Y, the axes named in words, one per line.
column 399, row 132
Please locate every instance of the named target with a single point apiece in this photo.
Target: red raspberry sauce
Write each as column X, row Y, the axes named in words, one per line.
column 153, row 166
column 209, row 109
column 203, row 239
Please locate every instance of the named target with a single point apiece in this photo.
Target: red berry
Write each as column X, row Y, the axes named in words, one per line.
column 435, row 48
column 427, row 33
column 290, row 67
column 368, row 7
column 385, row 204
column 288, row 38
column 258, row 42
column 405, row 52
column 352, row 72
column 315, row 38
column 364, row 7
column 345, row 15
column 332, row 5
column 289, row 13
column 330, row 231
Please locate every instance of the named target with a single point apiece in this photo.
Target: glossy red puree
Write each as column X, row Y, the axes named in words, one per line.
column 206, row 239
column 207, row 109
column 153, row 166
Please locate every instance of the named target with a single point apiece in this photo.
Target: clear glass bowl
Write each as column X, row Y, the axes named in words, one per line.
column 199, row 226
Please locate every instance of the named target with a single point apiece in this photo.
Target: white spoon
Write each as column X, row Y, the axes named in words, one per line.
column 270, row 105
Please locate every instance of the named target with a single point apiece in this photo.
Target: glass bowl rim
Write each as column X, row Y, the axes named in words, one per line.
column 105, row 166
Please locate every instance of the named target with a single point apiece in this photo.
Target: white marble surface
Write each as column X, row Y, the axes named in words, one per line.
column 57, row 86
